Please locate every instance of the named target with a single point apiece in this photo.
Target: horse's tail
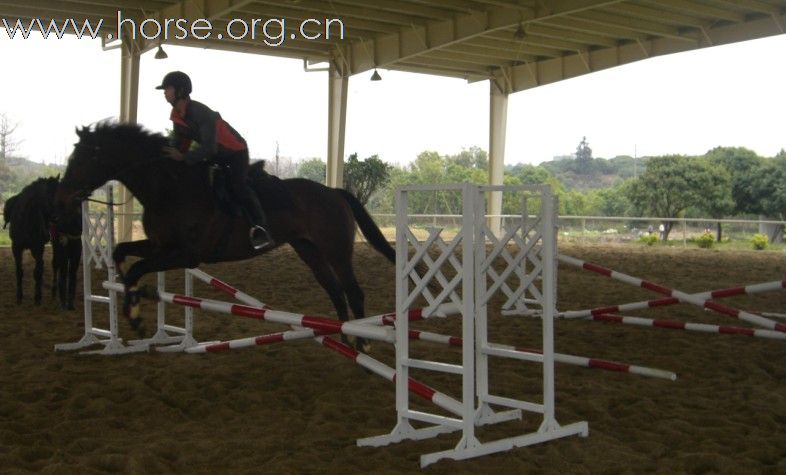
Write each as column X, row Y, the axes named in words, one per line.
column 368, row 227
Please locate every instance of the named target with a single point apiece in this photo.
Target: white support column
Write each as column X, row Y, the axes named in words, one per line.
column 129, row 95
column 498, row 121
column 337, row 119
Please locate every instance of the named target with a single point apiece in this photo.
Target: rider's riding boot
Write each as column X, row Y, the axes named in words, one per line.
column 259, row 236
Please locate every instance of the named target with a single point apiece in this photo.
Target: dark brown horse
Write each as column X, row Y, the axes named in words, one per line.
column 30, row 213
column 185, row 226
column 66, row 237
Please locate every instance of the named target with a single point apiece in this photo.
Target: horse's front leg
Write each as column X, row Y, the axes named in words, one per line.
column 143, row 248
column 17, row 251
column 176, row 259
column 38, row 272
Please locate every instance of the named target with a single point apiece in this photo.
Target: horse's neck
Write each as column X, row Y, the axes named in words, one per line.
column 140, row 180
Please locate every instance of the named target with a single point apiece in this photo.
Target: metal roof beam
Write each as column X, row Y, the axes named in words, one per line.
column 660, row 16
column 326, row 9
column 299, row 14
column 633, row 24
column 483, row 52
column 522, row 47
column 703, row 10
column 423, row 11
column 220, row 8
column 414, row 41
column 548, row 71
column 532, row 39
column 754, row 5
column 557, row 32
column 70, row 9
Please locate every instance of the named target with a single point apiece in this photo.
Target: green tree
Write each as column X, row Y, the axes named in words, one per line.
column 716, row 200
column 313, row 169
column 583, row 157
column 364, row 178
column 474, row 157
column 671, row 184
column 743, row 166
column 769, row 187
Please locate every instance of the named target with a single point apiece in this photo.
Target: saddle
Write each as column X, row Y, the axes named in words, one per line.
column 270, row 190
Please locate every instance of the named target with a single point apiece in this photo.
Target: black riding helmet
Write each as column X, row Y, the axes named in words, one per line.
column 179, row 80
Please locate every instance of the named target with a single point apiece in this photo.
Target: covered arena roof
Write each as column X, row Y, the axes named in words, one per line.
column 519, row 43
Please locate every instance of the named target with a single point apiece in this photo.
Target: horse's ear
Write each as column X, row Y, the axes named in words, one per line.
column 81, row 132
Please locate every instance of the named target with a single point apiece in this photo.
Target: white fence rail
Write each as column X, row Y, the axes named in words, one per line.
column 591, row 229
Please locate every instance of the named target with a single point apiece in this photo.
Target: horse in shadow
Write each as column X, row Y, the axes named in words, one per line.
column 29, row 214
column 66, row 238
column 185, row 226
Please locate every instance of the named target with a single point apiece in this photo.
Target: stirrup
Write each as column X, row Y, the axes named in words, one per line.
column 260, row 238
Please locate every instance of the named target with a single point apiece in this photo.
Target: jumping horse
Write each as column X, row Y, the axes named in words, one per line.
column 185, row 225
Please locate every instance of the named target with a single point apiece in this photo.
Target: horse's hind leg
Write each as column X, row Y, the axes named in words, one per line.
column 325, row 276
column 17, row 251
column 38, row 271
column 354, row 294
column 55, row 266
column 74, row 255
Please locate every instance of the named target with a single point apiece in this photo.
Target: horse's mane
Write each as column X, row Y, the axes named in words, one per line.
column 123, row 134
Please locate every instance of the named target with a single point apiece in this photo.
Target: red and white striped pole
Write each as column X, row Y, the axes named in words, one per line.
column 536, row 355
column 682, row 296
column 711, row 294
column 226, row 288
column 440, row 399
column 678, row 325
column 444, row 339
column 259, row 313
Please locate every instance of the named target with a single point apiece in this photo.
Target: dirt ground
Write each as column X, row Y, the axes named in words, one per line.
column 298, row 408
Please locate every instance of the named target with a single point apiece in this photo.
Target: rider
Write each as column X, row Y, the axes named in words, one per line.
column 218, row 142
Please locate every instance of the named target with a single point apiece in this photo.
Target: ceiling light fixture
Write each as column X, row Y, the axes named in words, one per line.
column 161, row 54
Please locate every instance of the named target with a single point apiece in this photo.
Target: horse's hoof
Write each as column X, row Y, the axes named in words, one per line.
column 131, row 303
column 138, row 326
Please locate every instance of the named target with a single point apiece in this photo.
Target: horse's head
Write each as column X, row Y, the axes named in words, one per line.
column 86, row 171
column 108, row 151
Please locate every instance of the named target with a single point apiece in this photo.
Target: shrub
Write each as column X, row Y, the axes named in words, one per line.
column 648, row 239
column 760, row 241
column 706, row 240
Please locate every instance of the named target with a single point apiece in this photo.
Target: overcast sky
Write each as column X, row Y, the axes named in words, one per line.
column 684, row 103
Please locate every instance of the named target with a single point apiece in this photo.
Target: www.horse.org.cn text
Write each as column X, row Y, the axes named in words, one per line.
column 272, row 31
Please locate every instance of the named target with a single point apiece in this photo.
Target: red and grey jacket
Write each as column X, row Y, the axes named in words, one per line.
column 195, row 122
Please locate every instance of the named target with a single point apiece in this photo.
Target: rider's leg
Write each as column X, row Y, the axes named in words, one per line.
column 260, row 237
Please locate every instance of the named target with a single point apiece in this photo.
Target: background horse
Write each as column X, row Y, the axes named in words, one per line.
column 66, row 237
column 185, row 226
column 29, row 214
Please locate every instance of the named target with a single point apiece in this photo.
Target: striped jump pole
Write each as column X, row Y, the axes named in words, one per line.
column 222, row 286
column 535, row 355
column 388, row 319
column 711, row 294
column 440, row 399
column 295, row 334
column 678, row 325
column 682, row 296
column 259, row 313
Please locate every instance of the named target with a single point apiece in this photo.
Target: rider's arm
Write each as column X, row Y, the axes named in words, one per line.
column 206, row 120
